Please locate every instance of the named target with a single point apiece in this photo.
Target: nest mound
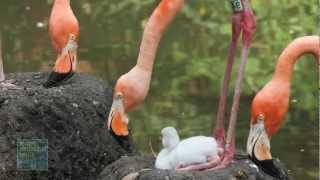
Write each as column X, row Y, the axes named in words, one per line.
column 70, row 118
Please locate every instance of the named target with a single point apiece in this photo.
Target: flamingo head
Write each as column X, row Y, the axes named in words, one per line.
column 170, row 138
column 118, row 119
column 268, row 110
column 130, row 91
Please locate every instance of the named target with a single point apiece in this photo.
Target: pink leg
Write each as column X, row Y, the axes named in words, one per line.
column 248, row 25
column 241, row 21
column 236, row 30
column 227, row 157
column 212, row 162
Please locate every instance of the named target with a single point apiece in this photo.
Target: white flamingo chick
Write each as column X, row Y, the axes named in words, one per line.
column 176, row 154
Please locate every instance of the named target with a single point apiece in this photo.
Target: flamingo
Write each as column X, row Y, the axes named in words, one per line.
column 64, row 34
column 270, row 105
column 132, row 87
column 243, row 21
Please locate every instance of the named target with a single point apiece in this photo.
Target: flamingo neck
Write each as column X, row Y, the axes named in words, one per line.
column 155, row 27
column 277, row 90
column 64, row 3
column 273, row 100
column 299, row 47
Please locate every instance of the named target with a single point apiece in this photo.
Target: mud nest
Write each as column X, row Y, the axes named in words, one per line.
column 142, row 168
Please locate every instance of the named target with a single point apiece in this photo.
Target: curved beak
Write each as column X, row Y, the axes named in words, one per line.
column 258, row 143
column 118, row 120
column 258, row 148
column 65, row 64
column 71, row 49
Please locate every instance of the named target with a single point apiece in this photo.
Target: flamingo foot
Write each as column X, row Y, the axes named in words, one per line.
column 228, row 156
column 211, row 162
column 224, row 158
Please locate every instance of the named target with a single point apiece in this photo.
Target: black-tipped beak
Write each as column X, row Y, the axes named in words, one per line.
column 117, row 119
column 258, row 148
column 56, row 79
column 65, row 64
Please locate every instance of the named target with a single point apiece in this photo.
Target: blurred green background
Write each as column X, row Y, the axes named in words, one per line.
column 189, row 64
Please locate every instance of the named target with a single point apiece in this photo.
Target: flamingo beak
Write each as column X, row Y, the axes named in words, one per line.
column 65, row 64
column 258, row 148
column 258, row 140
column 71, row 49
column 118, row 120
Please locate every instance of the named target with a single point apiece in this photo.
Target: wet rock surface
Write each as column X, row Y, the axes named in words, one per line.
column 142, row 168
column 71, row 117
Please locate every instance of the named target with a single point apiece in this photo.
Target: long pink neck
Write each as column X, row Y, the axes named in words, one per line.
column 300, row 46
column 63, row 3
column 156, row 25
column 273, row 100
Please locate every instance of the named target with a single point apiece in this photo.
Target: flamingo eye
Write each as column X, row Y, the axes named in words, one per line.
column 119, row 95
column 260, row 118
column 72, row 37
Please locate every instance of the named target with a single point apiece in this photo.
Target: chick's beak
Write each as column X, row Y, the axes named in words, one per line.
column 118, row 120
column 258, row 148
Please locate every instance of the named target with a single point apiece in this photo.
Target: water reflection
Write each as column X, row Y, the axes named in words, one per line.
column 188, row 68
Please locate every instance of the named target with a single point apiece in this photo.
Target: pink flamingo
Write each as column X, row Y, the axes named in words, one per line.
column 132, row 87
column 243, row 21
column 270, row 105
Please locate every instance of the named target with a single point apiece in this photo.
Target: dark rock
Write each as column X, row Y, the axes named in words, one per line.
column 71, row 117
column 142, row 168
column 79, row 147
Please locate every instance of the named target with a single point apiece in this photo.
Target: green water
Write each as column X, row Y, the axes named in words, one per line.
column 189, row 65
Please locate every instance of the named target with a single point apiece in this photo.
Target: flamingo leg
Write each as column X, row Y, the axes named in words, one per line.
column 242, row 21
column 211, row 162
column 248, row 26
column 219, row 127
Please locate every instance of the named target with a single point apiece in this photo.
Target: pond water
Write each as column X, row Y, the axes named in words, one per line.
column 189, row 66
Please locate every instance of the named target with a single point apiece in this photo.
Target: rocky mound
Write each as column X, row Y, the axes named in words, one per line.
column 70, row 118
column 142, row 168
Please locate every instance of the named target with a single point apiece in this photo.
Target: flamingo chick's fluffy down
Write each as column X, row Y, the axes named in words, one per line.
column 194, row 150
